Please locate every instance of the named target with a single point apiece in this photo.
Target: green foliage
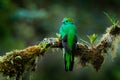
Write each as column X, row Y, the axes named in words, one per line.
column 92, row 38
column 112, row 19
column 43, row 44
column 85, row 42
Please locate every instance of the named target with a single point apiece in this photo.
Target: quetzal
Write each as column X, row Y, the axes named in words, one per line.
column 68, row 33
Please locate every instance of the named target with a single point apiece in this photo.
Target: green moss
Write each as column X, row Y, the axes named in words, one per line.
column 15, row 63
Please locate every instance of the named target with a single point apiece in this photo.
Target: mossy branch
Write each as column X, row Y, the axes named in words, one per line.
column 15, row 63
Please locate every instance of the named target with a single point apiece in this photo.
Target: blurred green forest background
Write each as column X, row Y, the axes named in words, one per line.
column 26, row 22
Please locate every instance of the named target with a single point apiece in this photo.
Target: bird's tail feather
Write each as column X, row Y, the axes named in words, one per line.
column 69, row 61
column 69, row 47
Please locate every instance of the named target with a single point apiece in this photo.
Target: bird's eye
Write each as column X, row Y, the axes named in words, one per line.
column 66, row 21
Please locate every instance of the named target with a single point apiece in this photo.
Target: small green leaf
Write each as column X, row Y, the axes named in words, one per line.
column 87, row 43
column 43, row 44
column 113, row 19
column 92, row 38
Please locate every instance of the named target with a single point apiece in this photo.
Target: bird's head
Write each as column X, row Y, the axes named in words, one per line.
column 67, row 20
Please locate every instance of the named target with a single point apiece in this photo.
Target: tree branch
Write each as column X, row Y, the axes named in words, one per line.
column 16, row 62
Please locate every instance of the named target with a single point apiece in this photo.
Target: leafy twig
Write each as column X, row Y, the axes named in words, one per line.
column 16, row 62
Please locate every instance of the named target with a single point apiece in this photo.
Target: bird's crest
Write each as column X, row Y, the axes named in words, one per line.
column 67, row 19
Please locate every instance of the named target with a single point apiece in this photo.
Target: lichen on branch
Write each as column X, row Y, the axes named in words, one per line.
column 16, row 62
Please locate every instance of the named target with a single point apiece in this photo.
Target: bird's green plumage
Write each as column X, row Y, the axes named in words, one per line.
column 68, row 34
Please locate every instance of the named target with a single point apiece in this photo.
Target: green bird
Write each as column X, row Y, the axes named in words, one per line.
column 68, row 33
